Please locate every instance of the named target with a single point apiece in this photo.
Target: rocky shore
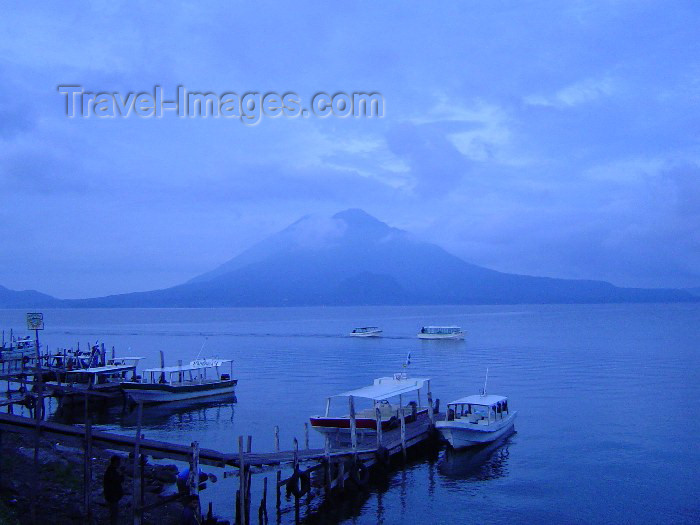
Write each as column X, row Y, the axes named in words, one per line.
column 58, row 493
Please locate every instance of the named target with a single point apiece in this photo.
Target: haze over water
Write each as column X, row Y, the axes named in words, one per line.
column 606, row 397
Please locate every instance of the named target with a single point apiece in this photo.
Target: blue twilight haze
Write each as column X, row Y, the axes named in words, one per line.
column 545, row 138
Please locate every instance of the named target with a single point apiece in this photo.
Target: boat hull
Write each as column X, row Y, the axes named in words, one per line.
column 338, row 429
column 335, row 424
column 366, row 334
column 441, row 336
column 460, row 434
column 163, row 393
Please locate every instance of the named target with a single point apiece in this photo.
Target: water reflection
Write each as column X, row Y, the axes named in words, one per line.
column 212, row 408
column 477, row 463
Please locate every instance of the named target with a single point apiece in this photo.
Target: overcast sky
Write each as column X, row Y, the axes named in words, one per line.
column 545, row 138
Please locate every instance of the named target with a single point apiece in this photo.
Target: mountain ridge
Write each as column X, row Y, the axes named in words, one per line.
column 353, row 258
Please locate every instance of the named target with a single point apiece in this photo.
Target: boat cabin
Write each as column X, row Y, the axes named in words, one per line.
column 103, row 377
column 193, row 373
column 478, row 409
column 366, row 330
column 441, row 330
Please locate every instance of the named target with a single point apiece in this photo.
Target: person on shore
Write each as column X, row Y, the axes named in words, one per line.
column 113, row 490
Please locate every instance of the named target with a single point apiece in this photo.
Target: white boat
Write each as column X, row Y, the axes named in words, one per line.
column 366, row 331
column 200, row 378
column 476, row 420
column 441, row 332
column 390, row 398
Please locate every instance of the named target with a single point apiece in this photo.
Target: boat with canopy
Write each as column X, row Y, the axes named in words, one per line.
column 388, row 400
column 100, row 381
column 476, row 420
column 441, row 332
column 199, row 378
column 366, row 331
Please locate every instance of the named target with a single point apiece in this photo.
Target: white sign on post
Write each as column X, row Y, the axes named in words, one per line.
column 35, row 321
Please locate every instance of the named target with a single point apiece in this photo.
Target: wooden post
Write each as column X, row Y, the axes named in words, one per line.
column 193, row 478
column 137, row 451
column 378, row 416
column 403, row 433
column 249, row 475
column 142, row 484
column 87, row 477
column 306, row 436
column 353, row 424
column 328, row 485
column 262, row 511
column 341, row 474
column 237, row 519
column 431, row 413
column 249, row 445
column 296, row 454
column 279, row 473
column 242, row 482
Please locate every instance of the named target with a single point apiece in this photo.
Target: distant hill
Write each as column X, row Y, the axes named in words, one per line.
column 354, row 259
column 25, row 299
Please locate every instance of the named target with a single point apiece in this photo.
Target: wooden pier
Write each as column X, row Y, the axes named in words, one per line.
column 334, row 470
column 329, row 471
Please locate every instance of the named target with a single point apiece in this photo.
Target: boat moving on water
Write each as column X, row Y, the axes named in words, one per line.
column 475, row 420
column 441, row 332
column 366, row 331
column 182, row 382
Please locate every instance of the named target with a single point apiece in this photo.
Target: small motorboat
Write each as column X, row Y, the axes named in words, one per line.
column 366, row 331
column 476, row 420
column 441, row 332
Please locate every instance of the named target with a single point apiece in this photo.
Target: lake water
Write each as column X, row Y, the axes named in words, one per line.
column 607, row 428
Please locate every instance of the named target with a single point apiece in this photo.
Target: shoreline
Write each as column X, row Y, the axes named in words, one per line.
column 61, row 473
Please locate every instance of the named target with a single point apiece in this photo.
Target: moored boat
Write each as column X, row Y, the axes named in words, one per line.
column 97, row 381
column 477, row 419
column 366, row 331
column 441, row 332
column 390, row 399
column 199, row 378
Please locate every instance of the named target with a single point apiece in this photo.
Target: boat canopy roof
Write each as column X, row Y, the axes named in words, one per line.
column 194, row 365
column 486, row 400
column 441, row 329
column 209, row 362
column 108, row 369
column 386, row 387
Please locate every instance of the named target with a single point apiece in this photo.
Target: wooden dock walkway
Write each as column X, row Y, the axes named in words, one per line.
column 336, row 469
column 415, row 433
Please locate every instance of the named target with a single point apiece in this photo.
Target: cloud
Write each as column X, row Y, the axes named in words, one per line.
column 581, row 92
column 531, row 138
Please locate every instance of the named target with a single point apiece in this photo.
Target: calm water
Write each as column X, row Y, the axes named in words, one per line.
column 607, row 430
